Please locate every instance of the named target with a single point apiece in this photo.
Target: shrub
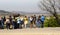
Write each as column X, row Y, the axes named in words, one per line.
column 51, row 22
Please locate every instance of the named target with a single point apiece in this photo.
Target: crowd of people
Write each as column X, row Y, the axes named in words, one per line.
column 20, row 22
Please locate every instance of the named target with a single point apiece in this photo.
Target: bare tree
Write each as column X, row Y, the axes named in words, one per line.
column 52, row 6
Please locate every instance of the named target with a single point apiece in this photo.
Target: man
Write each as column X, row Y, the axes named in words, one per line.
column 10, row 19
column 18, row 22
column 0, row 23
column 4, row 18
column 34, row 20
column 7, row 23
column 42, row 20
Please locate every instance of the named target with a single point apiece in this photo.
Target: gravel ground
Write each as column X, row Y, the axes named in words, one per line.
column 31, row 31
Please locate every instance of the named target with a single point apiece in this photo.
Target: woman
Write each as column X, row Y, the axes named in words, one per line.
column 31, row 21
column 25, row 21
column 38, row 22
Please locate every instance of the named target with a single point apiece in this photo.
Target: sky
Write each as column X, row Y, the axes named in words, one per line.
column 19, row 5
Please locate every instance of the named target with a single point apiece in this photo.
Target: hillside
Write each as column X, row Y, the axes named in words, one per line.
column 2, row 12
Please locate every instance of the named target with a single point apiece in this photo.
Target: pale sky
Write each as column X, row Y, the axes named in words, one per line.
column 19, row 5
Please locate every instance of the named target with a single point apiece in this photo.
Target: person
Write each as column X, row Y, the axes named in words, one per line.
column 4, row 18
column 42, row 20
column 7, row 23
column 18, row 22
column 10, row 19
column 14, row 23
column 22, row 22
column 38, row 22
column 0, row 23
column 3, row 21
column 25, row 21
column 34, row 20
column 31, row 21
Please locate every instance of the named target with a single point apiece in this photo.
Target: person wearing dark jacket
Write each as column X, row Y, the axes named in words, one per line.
column 34, row 20
column 0, row 23
column 38, row 22
column 14, row 23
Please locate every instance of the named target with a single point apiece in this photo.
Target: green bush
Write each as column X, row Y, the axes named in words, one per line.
column 51, row 22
